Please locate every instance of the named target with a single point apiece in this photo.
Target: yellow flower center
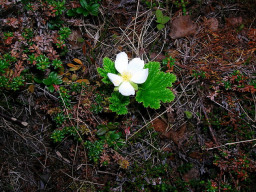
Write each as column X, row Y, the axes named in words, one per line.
column 126, row 76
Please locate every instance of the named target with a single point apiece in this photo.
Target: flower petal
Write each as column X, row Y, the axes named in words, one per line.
column 121, row 62
column 135, row 65
column 140, row 76
column 126, row 89
column 115, row 79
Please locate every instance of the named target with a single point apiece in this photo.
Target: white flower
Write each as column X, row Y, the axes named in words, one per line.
column 130, row 74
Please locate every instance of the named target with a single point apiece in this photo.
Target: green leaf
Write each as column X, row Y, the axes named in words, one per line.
column 71, row 13
column 79, row 10
column 155, row 89
column 58, row 81
column 114, row 136
column 160, row 26
column 165, row 19
column 51, row 88
column 102, row 131
column 47, row 81
column 118, row 103
column 108, row 67
column 159, row 16
column 188, row 114
column 84, row 4
column 38, row 80
column 85, row 13
column 94, row 9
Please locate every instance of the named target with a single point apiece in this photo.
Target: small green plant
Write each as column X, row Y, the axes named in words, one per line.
column 103, row 129
column 65, row 97
column 118, row 103
column 3, row 82
column 87, row 8
column 97, row 107
column 8, row 34
column 6, row 80
column 152, row 88
column 168, row 61
column 11, row 84
column 182, row 4
column 161, row 19
column 113, row 139
column 42, row 62
column 55, row 23
column 94, row 149
column 60, row 118
column 227, row 85
column 64, row 32
column 59, row 6
column 57, row 135
column 253, row 83
column 188, row 114
column 4, row 64
column 107, row 135
column 27, row 34
column 53, row 79
column 198, row 74
column 152, row 3
column 16, row 83
column 56, row 63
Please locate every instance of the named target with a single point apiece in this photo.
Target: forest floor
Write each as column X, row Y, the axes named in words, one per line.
column 57, row 129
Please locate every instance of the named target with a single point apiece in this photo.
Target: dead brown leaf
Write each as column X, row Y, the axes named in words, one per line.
column 211, row 24
column 191, row 174
column 234, row 21
column 182, row 26
column 159, row 125
column 157, row 57
column 177, row 136
column 76, row 39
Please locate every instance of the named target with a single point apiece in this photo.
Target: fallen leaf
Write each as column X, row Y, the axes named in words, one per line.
column 173, row 53
column 78, row 61
column 73, row 67
column 61, row 70
column 182, row 26
column 211, row 24
column 157, row 57
column 191, row 174
column 176, row 136
column 8, row 41
column 123, row 163
column 65, row 79
column 31, row 88
column 234, row 21
column 70, row 65
column 159, row 125
column 73, row 77
column 196, row 155
column 83, row 80
column 75, row 39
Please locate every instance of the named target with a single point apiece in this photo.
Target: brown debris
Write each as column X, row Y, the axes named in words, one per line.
column 75, row 39
column 211, row 24
column 157, row 57
column 234, row 21
column 182, row 26
column 191, row 174
column 176, row 136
